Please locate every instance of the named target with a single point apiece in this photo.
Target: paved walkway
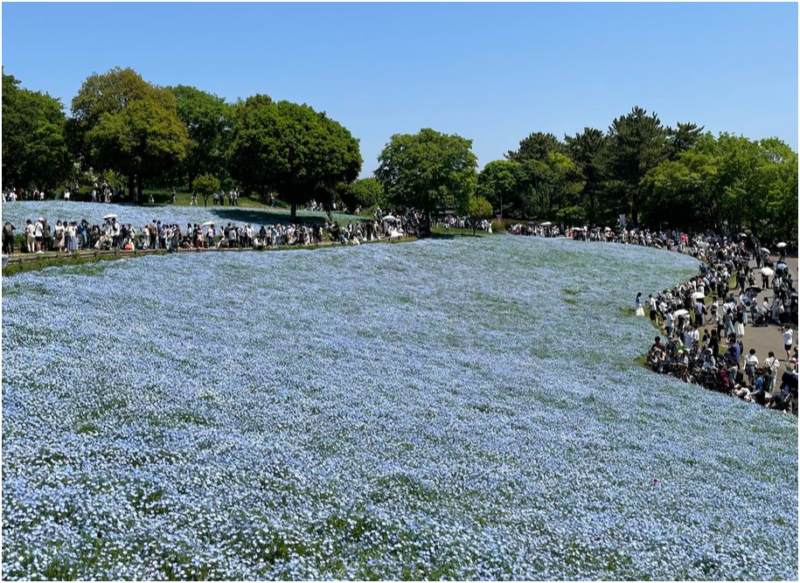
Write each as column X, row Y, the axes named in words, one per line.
column 766, row 338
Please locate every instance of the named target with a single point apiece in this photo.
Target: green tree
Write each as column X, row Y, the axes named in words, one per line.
column 637, row 143
column 498, row 183
column 364, row 192
column 205, row 186
column 35, row 150
column 683, row 193
column 537, row 146
column 124, row 124
column 586, row 150
column 207, row 119
column 428, row 171
column 478, row 209
column 572, row 215
column 291, row 149
column 682, row 138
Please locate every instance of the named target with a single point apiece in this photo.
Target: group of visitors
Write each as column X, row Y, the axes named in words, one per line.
column 232, row 196
column 448, row 222
column 704, row 320
column 705, row 339
column 727, row 370
column 40, row 236
column 13, row 195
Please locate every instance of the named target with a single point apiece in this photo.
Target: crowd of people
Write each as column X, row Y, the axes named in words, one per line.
column 69, row 236
column 716, row 358
column 704, row 320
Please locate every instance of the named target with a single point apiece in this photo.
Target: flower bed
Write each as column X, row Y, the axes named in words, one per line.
column 462, row 409
column 55, row 210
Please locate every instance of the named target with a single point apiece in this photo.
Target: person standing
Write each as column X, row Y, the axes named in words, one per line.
column 30, row 238
column 787, row 341
column 771, row 365
column 8, row 238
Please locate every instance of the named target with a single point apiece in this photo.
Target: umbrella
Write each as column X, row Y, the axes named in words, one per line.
column 607, row 229
column 781, row 245
column 698, row 296
column 752, row 288
column 765, row 250
column 390, row 218
column 781, row 265
column 743, row 235
column 767, row 271
column 680, row 313
column 546, row 224
column 110, row 216
column 207, row 223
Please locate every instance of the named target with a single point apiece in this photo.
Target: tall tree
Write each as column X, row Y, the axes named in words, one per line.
column 637, row 143
column 428, row 171
column 291, row 149
column 537, row 146
column 683, row 193
column 586, row 150
column 124, row 124
column 207, row 119
column 35, row 150
column 498, row 183
column 682, row 138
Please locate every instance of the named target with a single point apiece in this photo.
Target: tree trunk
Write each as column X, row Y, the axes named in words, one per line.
column 294, row 212
column 139, row 190
column 131, row 187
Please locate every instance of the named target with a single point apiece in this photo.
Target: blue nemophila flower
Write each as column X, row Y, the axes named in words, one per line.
column 429, row 410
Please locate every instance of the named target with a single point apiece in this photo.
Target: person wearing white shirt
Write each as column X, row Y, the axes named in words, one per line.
column 787, row 341
column 750, row 364
column 771, row 364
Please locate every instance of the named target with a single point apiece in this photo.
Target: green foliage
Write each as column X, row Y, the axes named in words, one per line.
column 35, row 152
column 682, row 138
column 537, row 146
column 636, row 144
column 291, row 149
column 479, row 208
column 207, row 119
column 129, row 126
column 498, row 184
column 205, row 186
column 572, row 215
column 587, row 150
column 730, row 179
column 428, row 171
column 365, row 192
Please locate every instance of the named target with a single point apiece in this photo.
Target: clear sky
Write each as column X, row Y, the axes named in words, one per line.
column 492, row 73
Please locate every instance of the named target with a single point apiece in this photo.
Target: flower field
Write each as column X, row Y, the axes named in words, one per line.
column 54, row 210
column 442, row 409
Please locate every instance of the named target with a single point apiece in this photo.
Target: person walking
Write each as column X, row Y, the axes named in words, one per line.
column 787, row 333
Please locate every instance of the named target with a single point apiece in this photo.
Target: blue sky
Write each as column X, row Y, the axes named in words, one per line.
column 492, row 73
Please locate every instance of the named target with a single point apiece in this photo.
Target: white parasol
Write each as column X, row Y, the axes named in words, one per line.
column 698, row 296
column 207, row 224
column 680, row 312
column 109, row 216
column 781, row 245
column 765, row 250
column 767, row 271
column 545, row 224
column 390, row 218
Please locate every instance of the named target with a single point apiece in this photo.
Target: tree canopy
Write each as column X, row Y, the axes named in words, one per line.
column 291, row 149
column 429, row 171
column 124, row 124
column 35, row 149
column 207, row 120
